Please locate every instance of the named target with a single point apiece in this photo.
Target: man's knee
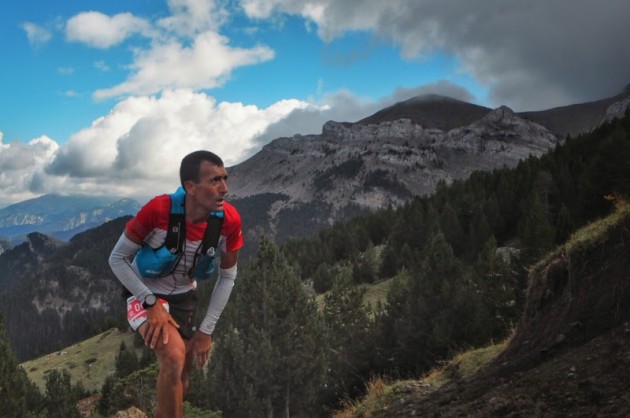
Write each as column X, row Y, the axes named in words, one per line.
column 172, row 356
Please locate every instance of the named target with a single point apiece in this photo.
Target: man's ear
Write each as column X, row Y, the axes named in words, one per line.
column 189, row 186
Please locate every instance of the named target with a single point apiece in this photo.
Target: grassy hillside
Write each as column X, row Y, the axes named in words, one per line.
column 376, row 292
column 89, row 361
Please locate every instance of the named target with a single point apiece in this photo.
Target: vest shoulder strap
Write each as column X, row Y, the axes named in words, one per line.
column 176, row 233
column 212, row 234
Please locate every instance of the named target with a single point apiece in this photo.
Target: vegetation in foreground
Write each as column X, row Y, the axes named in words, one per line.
column 553, row 365
column 382, row 392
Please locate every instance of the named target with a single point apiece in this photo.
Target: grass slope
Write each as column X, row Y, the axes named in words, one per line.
column 89, row 361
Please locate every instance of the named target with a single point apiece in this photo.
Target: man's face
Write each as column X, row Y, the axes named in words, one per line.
column 212, row 187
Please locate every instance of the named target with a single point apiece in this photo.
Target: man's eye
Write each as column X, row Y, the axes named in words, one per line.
column 218, row 179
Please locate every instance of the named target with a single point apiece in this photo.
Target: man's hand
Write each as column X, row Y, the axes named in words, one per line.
column 157, row 320
column 200, row 345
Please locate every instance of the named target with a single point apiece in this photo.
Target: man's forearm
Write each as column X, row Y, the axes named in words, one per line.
column 220, row 296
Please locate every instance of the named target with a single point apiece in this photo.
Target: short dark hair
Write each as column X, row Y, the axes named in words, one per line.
column 189, row 168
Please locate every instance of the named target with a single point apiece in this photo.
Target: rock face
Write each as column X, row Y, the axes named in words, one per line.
column 413, row 157
column 617, row 109
column 368, row 166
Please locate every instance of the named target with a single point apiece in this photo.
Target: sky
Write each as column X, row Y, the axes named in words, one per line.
column 106, row 97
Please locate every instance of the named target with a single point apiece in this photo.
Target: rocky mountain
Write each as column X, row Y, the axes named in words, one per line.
column 579, row 118
column 54, row 293
column 295, row 186
column 61, row 216
column 24, row 257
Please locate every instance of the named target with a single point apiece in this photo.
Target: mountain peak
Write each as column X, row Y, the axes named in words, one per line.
column 43, row 244
column 431, row 111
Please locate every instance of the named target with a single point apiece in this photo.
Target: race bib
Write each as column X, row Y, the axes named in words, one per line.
column 136, row 314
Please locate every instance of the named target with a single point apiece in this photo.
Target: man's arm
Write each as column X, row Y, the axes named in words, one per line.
column 119, row 261
column 221, row 292
column 201, row 341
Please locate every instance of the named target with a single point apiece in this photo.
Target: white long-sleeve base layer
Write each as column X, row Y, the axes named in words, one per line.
column 121, row 265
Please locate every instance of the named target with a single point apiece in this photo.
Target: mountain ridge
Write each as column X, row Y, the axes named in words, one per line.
column 53, row 293
column 61, row 216
column 385, row 159
column 390, row 156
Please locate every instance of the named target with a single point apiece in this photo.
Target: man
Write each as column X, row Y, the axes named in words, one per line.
column 171, row 333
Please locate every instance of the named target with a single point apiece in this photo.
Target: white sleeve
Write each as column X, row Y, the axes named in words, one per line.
column 220, row 297
column 120, row 263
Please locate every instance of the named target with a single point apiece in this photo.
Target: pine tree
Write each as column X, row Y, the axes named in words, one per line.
column 126, row 361
column 270, row 361
column 365, row 266
column 537, row 231
column 433, row 312
column 450, row 226
column 496, row 285
column 350, row 341
column 564, row 225
column 61, row 397
column 19, row 397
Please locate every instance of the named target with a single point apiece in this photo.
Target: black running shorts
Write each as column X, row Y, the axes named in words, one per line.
column 183, row 309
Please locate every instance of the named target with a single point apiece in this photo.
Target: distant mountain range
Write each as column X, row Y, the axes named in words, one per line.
column 295, row 186
column 54, row 293
column 61, row 217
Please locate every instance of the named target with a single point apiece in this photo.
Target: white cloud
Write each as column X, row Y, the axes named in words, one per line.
column 190, row 17
column 21, row 163
column 36, row 34
column 138, row 146
column 207, row 63
column 101, row 31
column 185, row 49
column 532, row 55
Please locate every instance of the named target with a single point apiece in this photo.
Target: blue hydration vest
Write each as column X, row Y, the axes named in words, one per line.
column 159, row 262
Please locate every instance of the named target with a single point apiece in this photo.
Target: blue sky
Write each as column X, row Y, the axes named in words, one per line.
column 106, row 97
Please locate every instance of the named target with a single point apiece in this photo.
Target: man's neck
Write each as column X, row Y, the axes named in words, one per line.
column 194, row 213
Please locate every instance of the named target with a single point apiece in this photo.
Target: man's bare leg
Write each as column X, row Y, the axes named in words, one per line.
column 188, row 364
column 170, row 391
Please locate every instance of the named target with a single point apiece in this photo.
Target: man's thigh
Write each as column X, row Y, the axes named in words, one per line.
column 176, row 345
